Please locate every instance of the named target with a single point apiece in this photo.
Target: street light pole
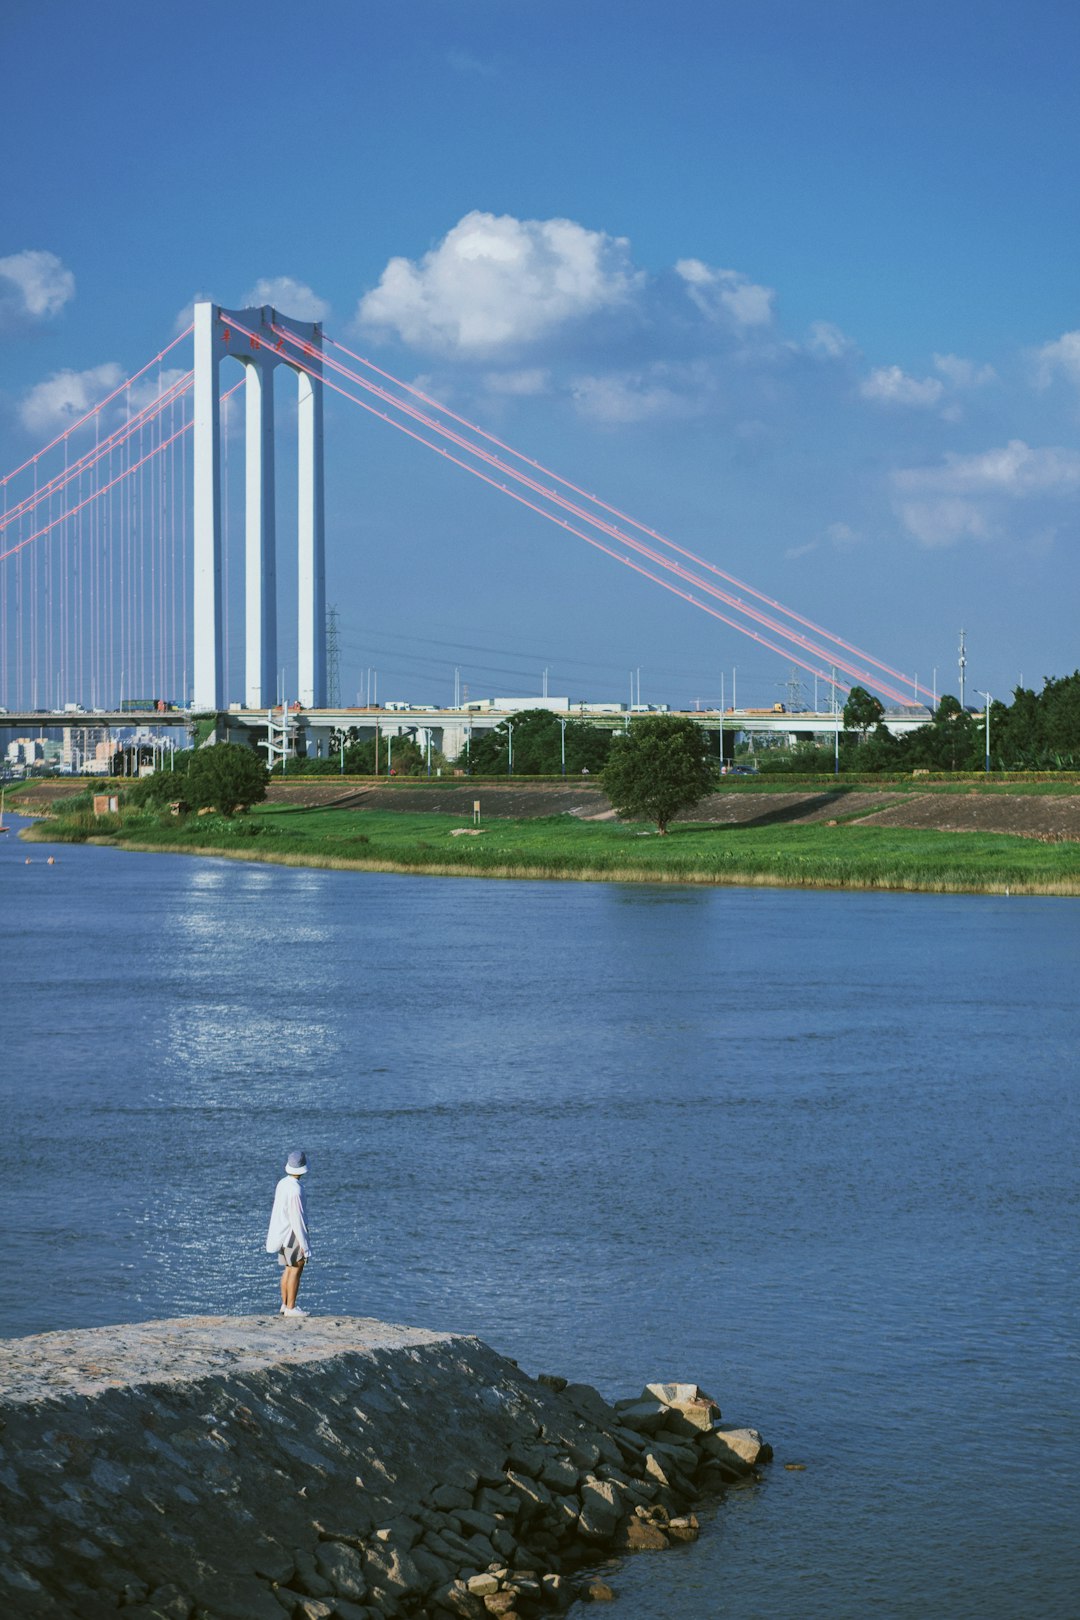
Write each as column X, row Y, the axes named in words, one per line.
column 562, row 745
column 986, row 695
column 836, row 727
column 509, row 748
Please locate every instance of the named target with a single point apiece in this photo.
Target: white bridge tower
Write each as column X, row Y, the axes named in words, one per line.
column 248, row 335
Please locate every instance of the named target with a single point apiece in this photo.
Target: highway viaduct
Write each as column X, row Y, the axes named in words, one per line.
column 449, row 729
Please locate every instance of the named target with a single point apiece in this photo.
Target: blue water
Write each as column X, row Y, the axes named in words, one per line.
column 815, row 1151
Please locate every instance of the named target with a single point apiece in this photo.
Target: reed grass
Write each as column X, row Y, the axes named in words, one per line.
column 845, row 856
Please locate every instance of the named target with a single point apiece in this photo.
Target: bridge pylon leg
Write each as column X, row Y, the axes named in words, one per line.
column 255, row 337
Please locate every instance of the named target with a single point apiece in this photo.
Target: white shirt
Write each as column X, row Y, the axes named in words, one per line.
column 287, row 1217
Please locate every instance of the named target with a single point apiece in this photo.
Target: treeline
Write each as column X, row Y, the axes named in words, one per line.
column 1037, row 731
column 535, row 742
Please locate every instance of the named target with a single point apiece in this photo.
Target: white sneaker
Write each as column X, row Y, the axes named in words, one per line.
column 293, row 1310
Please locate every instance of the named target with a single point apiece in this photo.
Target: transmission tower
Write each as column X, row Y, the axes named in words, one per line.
column 333, row 660
column 796, row 702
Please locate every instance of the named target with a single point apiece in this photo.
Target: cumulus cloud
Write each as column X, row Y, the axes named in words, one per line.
column 961, row 373
column 533, row 380
column 152, row 386
column 65, row 396
column 1014, row 469
column 495, row 282
column 961, row 497
column 888, row 385
column 726, row 295
column 34, row 285
column 654, row 393
column 942, row 523
column 288, row 297
column 1062, row 356
column 828, row 340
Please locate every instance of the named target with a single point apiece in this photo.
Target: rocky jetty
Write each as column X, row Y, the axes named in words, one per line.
column 250, row 1468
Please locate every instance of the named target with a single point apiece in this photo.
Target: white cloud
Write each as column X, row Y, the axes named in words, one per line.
column 963, row 373
column 626, row 397
column 65, row 396
column 1014, row 469
column 963, row 497
column 34, row 284
column 1062, row 355
column 891, row 386
column 289, row 297
column 535, row 380
column 726, row 294
column 151, row 387
column 186, row 315
column 793, row 553
column 943, row 522
column 495, row 282
column 843, row 535
column 657, row 392
column 828, row 340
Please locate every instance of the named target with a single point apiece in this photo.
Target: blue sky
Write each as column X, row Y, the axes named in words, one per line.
column 794, row 282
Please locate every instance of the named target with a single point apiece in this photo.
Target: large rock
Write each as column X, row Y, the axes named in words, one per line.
column 690, row 1402
column 600, row 1509
column 343, row 1567
column 560, row 1474
column 739, row 1449
column 643, row 1417
column 638, row 1535
column 455, row 1598
column 388, row 1568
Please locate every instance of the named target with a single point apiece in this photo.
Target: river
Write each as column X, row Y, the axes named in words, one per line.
column 815, row 1151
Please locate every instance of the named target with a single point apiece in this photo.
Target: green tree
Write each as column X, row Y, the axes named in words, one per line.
column 949, row 743
column 662, row 765
column 862, row 711
column 225, row 777
column 166, row 784
column 538, row 746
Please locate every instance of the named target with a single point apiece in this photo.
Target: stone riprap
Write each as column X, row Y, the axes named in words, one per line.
column 248, row 1468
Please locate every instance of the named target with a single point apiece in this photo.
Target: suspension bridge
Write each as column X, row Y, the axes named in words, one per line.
column 119, row 577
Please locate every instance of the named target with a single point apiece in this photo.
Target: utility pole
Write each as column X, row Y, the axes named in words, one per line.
column 963, row 667
column 333, row 660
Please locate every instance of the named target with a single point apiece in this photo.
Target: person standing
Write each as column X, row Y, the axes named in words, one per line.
column 287, row 1235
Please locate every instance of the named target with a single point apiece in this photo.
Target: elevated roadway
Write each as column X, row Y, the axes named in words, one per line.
column 449, row 728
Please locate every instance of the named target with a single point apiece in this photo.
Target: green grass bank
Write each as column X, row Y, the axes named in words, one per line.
column 846, row 855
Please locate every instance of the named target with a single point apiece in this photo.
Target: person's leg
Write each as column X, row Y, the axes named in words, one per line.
column 284, row 1286
column 290, row 1284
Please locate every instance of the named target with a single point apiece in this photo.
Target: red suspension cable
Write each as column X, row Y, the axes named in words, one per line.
column 626, row 517
column 583, row 515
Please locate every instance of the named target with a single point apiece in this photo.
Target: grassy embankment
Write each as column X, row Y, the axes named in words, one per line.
column 844, row 855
